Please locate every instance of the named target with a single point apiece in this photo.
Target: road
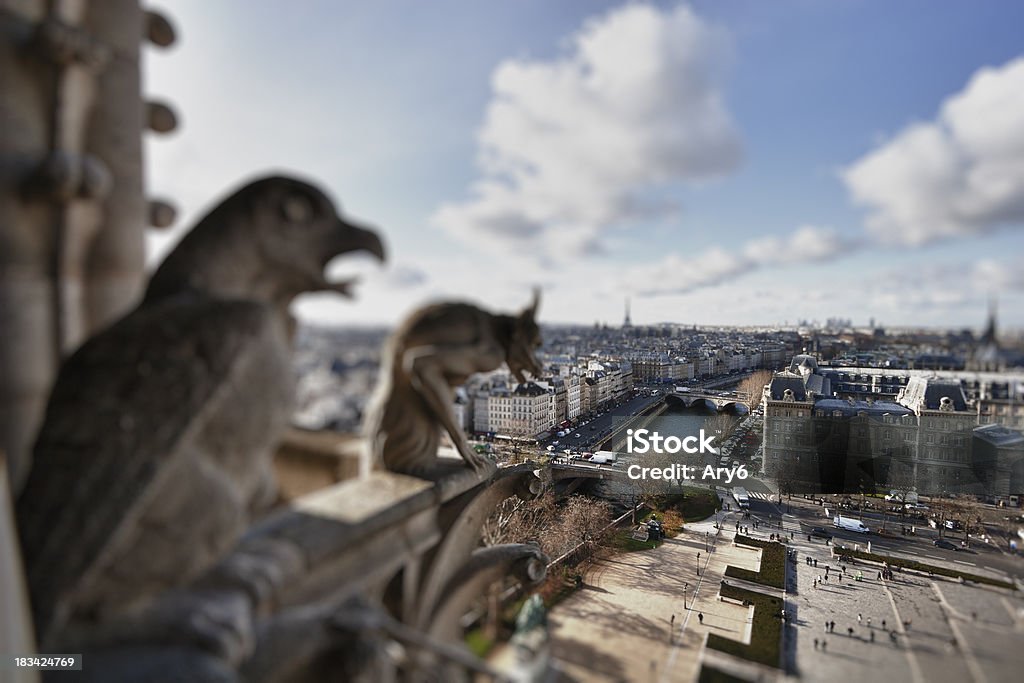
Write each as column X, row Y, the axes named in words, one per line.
column 799, row 515
column 584, row 438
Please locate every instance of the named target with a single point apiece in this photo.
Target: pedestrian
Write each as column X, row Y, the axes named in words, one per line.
column 883, row 624
column 700, row 617
column 832, row 627
column 869, row 622
column 844, row 568
column 849, row 631
column 823, row 645
column 860, row 618
column 827, row 570
column 879, row 576
column 872, row 636
column 826, row 577
column 672, row 621
column 791, row 535
column 839, row 578
column 815, row 563
column 826, row 627
column 815, row 643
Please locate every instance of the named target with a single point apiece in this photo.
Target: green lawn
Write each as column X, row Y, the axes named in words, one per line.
column 766, row 629
column 922, row 567
column 773, row 563
column 623, row 541
column 674, row 510
column 478, row 643
column 709, row 674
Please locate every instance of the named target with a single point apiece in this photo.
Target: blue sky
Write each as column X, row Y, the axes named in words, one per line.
column 719, row 162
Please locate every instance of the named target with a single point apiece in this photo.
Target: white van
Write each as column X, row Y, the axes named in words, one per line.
column 850, row 524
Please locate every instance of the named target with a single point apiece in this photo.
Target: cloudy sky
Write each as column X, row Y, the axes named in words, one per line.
column 736, row 162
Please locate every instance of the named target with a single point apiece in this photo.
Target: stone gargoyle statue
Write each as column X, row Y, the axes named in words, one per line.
column 157, row 443
column 434, row 350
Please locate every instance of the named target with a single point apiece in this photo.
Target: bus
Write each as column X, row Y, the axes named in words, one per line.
column 742, row 499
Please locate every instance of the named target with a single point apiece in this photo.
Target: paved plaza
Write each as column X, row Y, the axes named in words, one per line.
column 620, row 627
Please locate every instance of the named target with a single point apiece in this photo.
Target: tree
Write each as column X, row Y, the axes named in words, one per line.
column 751, row 389
column 786, row 476
column 720, row 426
column 946, row 508
column 519, row 521
column 901, row 484
column 557, row 527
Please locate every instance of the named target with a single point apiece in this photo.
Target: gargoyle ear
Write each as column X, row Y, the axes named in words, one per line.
column 530, row 312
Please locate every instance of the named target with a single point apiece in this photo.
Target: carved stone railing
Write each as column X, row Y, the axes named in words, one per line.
column 369, row 577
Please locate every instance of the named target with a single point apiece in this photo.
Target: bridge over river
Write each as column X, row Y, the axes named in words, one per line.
column 690, row 399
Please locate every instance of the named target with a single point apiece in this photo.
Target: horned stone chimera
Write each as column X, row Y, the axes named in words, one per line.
column 434, row 350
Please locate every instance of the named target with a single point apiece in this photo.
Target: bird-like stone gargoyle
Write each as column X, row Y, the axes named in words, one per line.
column 158, row 438
column 437, row 348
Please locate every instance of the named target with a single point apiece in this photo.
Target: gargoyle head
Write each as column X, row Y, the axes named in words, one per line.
column 525, row 340
column 304, row 231
column 270, row 240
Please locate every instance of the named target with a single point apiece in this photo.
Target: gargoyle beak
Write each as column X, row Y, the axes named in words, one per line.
column 352, row 237
column 348, row 238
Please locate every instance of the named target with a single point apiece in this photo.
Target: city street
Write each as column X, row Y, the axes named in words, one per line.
column 602, row 425
column 800, row 515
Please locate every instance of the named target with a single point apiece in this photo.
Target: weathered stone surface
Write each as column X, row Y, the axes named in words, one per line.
column 160, row 430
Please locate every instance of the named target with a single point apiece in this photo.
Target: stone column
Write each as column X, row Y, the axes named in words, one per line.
column 72, row 210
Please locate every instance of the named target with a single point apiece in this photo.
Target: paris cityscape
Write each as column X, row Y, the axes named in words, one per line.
column 653, row 341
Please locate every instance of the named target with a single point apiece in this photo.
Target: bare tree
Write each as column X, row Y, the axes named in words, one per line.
column 946, row 509
column 901, row 485
column 720, row 426
column 751, row 389
column 581, row 520
column 787, row 478
column 519, row 521
column 556, row 527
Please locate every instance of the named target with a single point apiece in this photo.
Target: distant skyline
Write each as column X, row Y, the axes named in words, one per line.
column 739, row 163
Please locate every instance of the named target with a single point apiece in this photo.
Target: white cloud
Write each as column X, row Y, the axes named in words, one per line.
column 677, row 275
column 961, row 174
column 807, row 244
column 993, row 277
column 569, row 147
